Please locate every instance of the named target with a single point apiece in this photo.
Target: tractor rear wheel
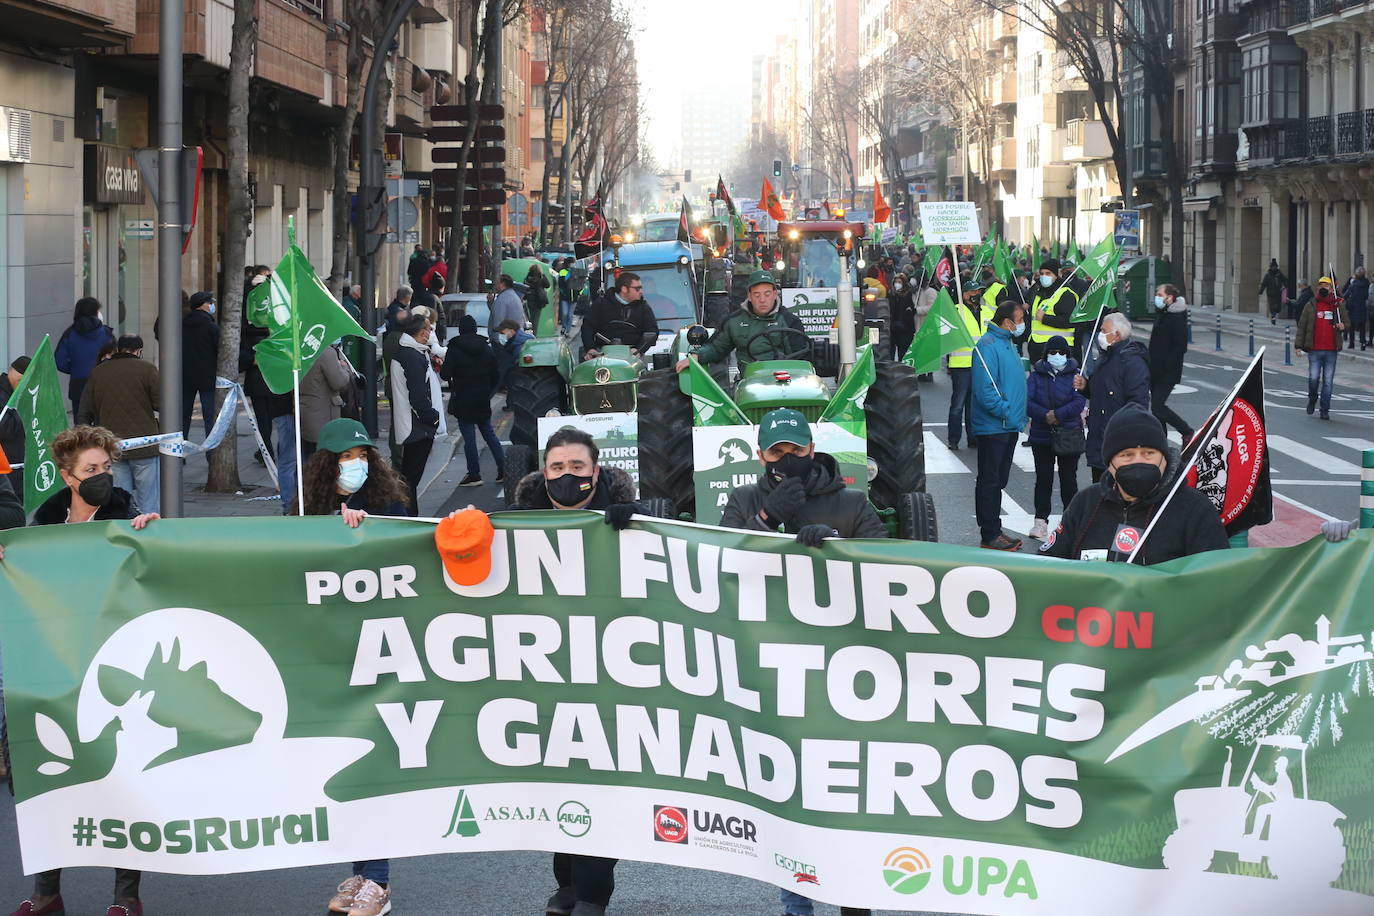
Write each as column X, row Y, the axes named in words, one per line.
column 718, row 308
column 531, row 394
column 665, row 441
column 1188, row 850
column 892, row 408
column 520, row 461
column 916, row 517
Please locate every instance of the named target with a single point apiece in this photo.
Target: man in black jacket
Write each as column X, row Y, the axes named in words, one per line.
column 1106, row 520
column 11, row 427
column 199, row 355
column 1122, row 377
column 607, row 320
column 414, row 413
column 1168, row 344
column 800, row 490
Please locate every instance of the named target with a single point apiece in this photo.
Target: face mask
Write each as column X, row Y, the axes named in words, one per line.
column 97, row 489
column 1046, row 282
column 798, row 466
column 570, row 489
column 1102, row 342
column 1057, row 361
column 352, row 475
column 1323, row 293
column 211, row 309
column 100, row 317
column 1159, row 302
column 1138, row 480
column 1018, row 330
column 258, row 279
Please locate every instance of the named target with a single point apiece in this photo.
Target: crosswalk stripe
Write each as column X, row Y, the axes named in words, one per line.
column 1023, row 458
column 939, row 459
column 1358, row 445
column 1282, row 445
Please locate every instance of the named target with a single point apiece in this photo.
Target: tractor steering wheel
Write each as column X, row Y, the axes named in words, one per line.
column 622, row 332
column 778, row 339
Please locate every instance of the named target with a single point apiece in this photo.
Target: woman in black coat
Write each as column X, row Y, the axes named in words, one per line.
column 471, row 371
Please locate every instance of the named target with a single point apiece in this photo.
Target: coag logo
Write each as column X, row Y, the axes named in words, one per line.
column 670, row 824
column 906, row 870
column 574, row 818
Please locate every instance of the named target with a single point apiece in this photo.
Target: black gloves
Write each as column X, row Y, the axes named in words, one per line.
column 782, row 505
column 812, row 535
column 618, row 515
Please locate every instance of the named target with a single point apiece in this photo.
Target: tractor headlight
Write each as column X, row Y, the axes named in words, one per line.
column 558, row 413
column 872, row 470
column 861, row 263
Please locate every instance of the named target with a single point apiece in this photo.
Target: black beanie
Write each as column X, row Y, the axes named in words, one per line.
column 1050, row 264
column 1057, row 344
column 1132, row 427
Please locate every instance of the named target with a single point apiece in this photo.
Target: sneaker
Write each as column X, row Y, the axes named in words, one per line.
column 1002, row 542
column 954, row 445
column 54, row 907
column 1326, row 415
column 1040, row 529
column 342, row 900
column 133, row 908
column 500, row 477
column 472, row 480
column 561, row 903
column 371, row 900
column 584, row 908
column 1311, row 406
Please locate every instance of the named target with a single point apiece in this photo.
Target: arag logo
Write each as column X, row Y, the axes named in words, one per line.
column 670, row 824
column 906, row 870
column 574, row 818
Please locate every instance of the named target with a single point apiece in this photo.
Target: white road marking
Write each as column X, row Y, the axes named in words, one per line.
column 1014, row 518
column 1358, row 445
column 1312, row 483
column 1306, row 508
column 1320, row 460
column 939, row 459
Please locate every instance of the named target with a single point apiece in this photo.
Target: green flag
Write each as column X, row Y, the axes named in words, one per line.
column 1105, row 254
column 1101, row 294
column 942, row 332
column 932, row 260
column 1035, row 252
column 984, row 253
column 304, row 318
column 38, row 401
column 1002, row 267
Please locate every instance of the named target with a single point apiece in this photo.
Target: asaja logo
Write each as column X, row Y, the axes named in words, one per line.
column 670, row 824
column 574, row 818
column 906, row 870
column 463, row 823
column 312, row 340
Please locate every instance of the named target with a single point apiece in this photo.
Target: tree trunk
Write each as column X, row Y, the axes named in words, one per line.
column 224, row 472
column 343, row 144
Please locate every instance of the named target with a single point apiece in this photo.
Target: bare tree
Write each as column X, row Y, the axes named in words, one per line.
column 362, row 22
column 223, row 472
column 830, row 120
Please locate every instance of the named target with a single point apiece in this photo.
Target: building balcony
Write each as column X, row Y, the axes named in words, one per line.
column 1086, row 140
column 1319, row 15
column 1058, row 181
column 1004, row 155
column 920, row 165
column 1004, row 91
column 954, row 165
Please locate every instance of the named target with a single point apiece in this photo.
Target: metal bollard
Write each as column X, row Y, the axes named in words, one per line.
column 1367, row 489
column 1218, row 346
column 1190, row 328
column 1252, row 337
column 1288, row 346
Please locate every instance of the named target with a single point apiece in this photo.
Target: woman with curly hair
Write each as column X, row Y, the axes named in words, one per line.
column 347, row 476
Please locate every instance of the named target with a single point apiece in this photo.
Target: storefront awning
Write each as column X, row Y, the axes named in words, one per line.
column 1198, row 204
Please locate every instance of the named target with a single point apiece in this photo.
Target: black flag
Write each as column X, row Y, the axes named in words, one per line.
column 1229, row 460
column 684, row 222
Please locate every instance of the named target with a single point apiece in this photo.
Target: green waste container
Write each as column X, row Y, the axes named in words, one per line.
column 1141, row 276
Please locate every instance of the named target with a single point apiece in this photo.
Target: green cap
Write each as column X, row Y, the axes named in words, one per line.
column 342, row 434
column 783, row 425
column 761, row 276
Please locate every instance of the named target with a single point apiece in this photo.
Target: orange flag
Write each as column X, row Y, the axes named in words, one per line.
column 768, row 199
column 4, row 463
column 881, row 211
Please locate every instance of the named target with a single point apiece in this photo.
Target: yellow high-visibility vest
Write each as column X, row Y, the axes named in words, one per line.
column 963, row 357
column 1041, row 332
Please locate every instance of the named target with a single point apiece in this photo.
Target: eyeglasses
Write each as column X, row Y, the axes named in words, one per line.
column 636, row 287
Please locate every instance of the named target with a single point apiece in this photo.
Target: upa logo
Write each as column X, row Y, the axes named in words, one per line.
column 670, row 824
column 906, row 870
column 574, row 818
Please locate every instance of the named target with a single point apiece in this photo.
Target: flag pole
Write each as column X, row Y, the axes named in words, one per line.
column 1207, row 432
column 1092, row 340
column 300, row 465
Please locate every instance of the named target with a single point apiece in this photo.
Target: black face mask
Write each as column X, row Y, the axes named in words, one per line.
column 798, row 466
column 570, row 489
column 1138, row 480
column 97, row 489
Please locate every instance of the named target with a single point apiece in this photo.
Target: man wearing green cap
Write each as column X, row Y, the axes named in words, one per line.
column 761, row 313
column 800, row 490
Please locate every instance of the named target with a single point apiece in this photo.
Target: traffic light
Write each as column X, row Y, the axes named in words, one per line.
column 686, row 176
column 777, row 168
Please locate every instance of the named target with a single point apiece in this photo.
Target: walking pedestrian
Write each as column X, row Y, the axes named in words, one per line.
column 960, row 368
column 1272, row 286
column 1122, row 376
column 1055, row 409
column 1295, row 306
column 472, row 372
column 322, row 391
column 199, row 354
column 1168, row 344
column 11, row 427
column 901, row 302
column 79, row 345
column 565, row 295
column 1319, row 336
column 1357, row 307
column 505, row 306
column 400, row 304
column 414, row 396
column 123, row 395
column 999, row 413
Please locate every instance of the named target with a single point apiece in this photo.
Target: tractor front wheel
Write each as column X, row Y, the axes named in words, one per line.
column 520, row 461
column 892, row 409
column 665, row 441
column 531, row 394
column 916, row 517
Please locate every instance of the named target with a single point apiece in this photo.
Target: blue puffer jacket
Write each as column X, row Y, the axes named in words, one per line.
column 1000, row 408
column 1048, row 390
column 80, row 344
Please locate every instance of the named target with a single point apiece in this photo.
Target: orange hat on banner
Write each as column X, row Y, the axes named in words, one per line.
column 464, row 543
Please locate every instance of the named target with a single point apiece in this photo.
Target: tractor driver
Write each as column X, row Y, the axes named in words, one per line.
column 762, row 315
column 1280, row 789
column 620, row 315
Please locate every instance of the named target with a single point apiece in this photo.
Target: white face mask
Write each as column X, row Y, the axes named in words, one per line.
column 1102, row 342
column 1159, row 302
column 1057, row 361
column 258, row 279
column 1046, row 282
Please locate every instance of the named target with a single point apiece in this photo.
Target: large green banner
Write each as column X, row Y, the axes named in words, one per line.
column 890, row 724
